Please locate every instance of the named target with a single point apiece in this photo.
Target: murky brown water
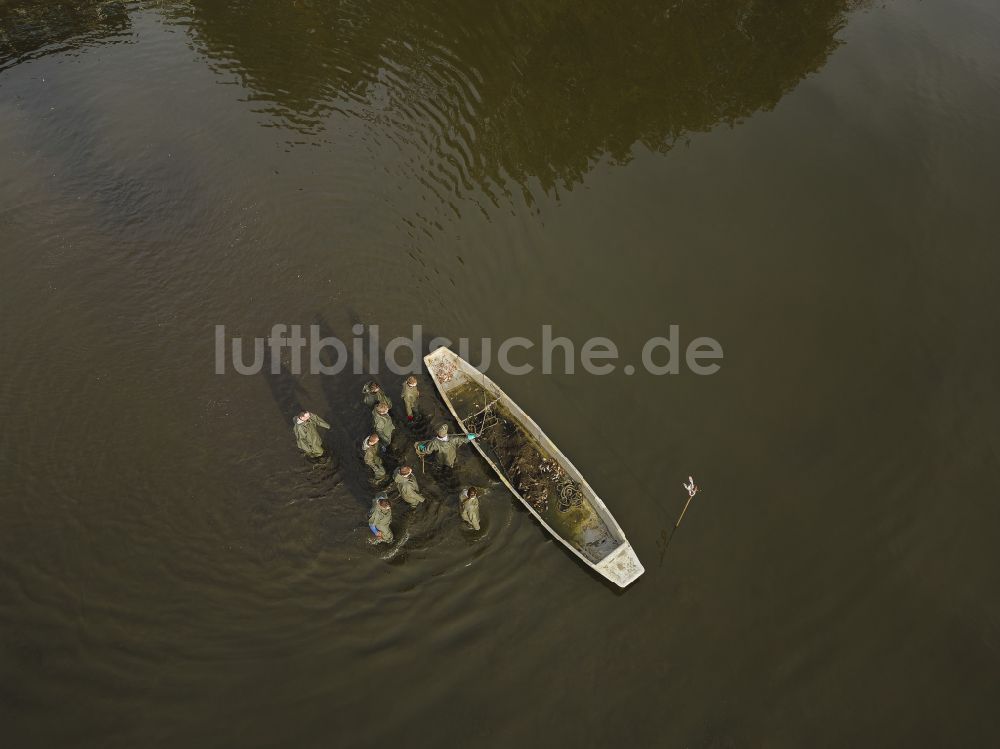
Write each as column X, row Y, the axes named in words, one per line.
column 813, row 184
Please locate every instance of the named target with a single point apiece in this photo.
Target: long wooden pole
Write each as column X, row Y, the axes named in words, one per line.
column 692, row 490
column 678, row 523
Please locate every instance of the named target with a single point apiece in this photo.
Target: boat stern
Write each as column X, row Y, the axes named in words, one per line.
column 621, row 566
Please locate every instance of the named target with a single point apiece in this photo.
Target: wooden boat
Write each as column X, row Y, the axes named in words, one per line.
column 587, row 528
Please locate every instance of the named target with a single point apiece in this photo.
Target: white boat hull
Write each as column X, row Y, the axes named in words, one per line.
column 450, row 372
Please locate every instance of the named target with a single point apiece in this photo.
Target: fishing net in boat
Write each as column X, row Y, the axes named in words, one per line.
column 483, row 420
column 536, row 477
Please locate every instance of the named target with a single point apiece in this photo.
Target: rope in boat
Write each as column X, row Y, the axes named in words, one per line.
column 570, row 495
column 567, row 490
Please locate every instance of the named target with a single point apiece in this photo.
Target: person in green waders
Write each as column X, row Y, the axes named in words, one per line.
column 468, row 502
column 306, row 427
column 445, row 445
column 408, row 487
column 411, row 396
column 370, row 453
column 379, row 521
column 382, row 422
column 372, row 393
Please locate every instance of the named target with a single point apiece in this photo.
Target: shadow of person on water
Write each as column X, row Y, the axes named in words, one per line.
column 286, row 390
column 350, row 420
column 289, row 396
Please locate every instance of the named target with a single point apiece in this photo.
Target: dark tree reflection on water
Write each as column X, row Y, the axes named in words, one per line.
column 494, row 90
column 524, row 89
column 29, row 28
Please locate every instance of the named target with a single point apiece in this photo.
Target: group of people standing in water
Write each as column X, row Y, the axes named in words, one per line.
column 379, row 442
